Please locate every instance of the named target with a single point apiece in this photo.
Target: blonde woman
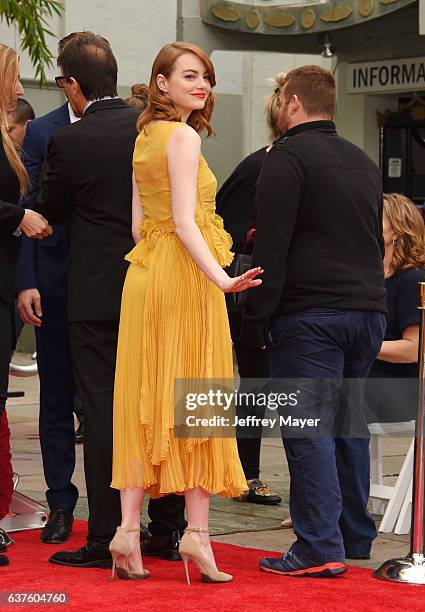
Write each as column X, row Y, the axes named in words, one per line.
column 13, row 220
column 236, row 205
column 394, row 399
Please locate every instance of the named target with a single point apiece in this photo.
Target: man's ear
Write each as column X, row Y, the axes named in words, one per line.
column 295, row 104
column 74, row 86
column 161, row 82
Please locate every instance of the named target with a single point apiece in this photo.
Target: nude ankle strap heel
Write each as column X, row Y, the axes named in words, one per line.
column 120, row 549
column 190, row 551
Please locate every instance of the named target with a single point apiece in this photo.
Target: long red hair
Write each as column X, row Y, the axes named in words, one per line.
column 9, row 76
column 160, row 107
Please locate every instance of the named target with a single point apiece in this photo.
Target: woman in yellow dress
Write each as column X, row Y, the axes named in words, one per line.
column 173, row 316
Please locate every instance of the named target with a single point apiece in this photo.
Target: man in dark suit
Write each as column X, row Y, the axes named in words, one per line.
column 88, row 180
column 42, row 283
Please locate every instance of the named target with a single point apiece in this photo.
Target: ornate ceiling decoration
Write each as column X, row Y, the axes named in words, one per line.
column 292, row 18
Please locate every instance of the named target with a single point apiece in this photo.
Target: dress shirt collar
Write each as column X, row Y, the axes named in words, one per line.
column 72, row 117
column 90, row 102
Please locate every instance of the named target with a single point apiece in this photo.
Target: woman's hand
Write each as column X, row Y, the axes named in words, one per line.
column 242, row 282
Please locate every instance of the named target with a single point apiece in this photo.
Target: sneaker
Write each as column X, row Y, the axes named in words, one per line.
column 291, row 565
column 259, row 493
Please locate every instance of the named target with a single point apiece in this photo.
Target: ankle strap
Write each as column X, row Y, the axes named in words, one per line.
column 196, row 529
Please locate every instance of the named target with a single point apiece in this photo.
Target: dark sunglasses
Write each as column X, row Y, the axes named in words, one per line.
column 60, row 81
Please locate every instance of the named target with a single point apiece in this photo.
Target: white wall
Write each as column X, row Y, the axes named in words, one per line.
column 136, row 29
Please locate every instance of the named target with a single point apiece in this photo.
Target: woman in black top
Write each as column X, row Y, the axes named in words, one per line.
column 13, row 220
column 236, row 205
column 394, row 399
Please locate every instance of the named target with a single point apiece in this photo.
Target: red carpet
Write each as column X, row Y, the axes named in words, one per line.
column 91, row 589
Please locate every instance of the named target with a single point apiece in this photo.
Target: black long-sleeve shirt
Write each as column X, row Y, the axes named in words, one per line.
column 319, row 229
column 235, row 201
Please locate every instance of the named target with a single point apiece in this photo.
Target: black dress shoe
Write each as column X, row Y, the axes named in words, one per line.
column 165, row 546
column 58, row 527
column 5, row 539
column 79, row 434
column 259, row 493
column 3, row 560
column 93, row 554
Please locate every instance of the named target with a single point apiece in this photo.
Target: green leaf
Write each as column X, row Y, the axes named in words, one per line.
column 31, row 18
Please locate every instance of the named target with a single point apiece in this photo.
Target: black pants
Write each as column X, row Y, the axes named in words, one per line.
column 93, row 349
column 57, row 393
column 166, row 514
column 252, row 363
column 5, row 350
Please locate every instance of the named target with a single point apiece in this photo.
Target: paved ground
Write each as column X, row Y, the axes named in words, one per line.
column 231, row 521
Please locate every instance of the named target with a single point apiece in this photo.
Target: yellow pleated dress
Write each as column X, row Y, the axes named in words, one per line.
column 173, row 325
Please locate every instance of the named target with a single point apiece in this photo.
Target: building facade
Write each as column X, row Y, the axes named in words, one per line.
column 377, row 48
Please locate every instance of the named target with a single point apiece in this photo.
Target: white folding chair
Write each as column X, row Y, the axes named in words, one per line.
column 405, row 517
column 395, row 495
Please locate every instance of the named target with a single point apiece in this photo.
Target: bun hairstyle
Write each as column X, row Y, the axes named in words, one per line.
column 9, row 77
column 273, row 104
column 140, row 90
column 139, row 96
column 160, row 107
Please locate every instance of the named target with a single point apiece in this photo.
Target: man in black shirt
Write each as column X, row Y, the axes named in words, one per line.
column 319, row 240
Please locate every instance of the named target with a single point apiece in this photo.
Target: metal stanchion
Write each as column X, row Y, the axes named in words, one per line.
column 411, row 569
column 23, row 371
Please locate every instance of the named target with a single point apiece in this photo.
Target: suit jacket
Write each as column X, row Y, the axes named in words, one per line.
column 88, row 181
column 43, row 264
column 10, row 217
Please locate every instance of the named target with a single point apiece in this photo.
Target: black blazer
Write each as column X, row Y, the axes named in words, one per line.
column 10, row 217
column 88, row 180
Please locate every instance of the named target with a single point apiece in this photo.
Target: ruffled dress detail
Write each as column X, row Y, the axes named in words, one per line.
column 173, row 325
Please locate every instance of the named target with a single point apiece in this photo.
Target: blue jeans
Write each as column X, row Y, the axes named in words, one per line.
column 329, row 475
